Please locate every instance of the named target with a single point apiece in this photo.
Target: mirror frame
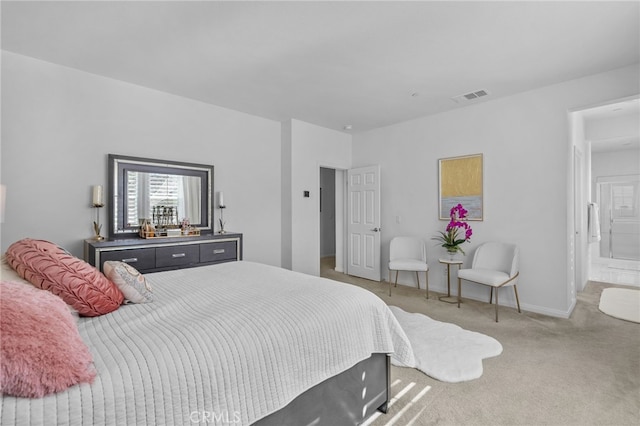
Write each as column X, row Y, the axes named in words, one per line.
column 117, row 164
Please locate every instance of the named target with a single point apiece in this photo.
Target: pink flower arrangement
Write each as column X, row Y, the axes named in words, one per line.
column 451, row 239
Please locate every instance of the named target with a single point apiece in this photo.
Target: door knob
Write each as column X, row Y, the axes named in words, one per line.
column 377, row 229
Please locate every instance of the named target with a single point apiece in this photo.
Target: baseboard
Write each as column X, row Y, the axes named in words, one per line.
column 506, row 303
column 531, row 308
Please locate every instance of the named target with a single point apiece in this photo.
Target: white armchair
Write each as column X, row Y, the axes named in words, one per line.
column 494, row 265
column 408, row 254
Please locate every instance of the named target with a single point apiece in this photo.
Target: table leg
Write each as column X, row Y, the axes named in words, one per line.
column 448, row 297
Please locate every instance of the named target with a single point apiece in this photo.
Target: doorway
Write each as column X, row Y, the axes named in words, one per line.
column 327, row 218
column 610, row 137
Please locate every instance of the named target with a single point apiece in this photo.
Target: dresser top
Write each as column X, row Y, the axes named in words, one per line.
column 124, row 242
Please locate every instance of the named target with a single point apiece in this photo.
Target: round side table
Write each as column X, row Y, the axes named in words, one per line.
column 448, row 298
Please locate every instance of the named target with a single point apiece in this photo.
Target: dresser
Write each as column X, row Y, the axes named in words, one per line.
column 163, row 254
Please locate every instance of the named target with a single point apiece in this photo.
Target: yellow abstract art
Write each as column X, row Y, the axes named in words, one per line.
column 461, row 183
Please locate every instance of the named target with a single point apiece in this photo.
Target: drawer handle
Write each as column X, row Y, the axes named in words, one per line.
column 218, row 251
column 130, row 260
column 176, row 255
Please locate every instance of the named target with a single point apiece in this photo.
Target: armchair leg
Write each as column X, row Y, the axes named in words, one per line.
column 418, row 278
column 396, row 283
column 491, row 295
column 496, row 305
column 459, row 291
column 426, row 275
column 389, row 282
column 517, row 299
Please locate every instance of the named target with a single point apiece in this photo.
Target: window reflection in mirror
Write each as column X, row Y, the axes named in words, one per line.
column 148, row 193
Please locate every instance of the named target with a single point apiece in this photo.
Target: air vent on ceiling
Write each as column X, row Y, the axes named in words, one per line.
column 470, row 96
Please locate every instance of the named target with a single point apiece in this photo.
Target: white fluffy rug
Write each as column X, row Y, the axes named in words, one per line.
column 445, row 351
column 622, row 303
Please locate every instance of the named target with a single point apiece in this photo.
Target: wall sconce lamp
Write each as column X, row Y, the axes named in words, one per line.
column 97, row 203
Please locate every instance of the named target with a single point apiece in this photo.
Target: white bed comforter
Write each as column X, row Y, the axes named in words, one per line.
column 222, row 344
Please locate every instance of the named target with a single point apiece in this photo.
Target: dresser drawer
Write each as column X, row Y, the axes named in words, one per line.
column 179, row 255
column 164, row 254
column 218, row 252
column 141, row 259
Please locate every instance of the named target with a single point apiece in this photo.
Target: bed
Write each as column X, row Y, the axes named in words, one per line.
column 234, row 343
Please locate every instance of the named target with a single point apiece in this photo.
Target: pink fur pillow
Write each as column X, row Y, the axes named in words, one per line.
column 40, row 347
column 47, row 266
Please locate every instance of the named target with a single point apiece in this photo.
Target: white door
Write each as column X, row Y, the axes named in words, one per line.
column 363, row 225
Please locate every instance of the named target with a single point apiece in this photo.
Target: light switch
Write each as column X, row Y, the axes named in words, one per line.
column 306, row 194
column 398, row 219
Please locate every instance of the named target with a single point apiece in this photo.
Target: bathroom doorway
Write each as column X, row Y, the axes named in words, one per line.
column 612, row 138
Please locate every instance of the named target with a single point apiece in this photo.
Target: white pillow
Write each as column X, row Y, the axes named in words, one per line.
column 132, row 284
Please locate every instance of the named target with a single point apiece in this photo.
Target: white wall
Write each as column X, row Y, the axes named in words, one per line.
column 623, row 126
column 312, row 147
column 286, row 195
column 525, row 140
column 614, row 163
column 59, row 124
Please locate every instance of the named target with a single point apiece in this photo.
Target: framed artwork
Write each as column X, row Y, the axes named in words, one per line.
column 460, row 182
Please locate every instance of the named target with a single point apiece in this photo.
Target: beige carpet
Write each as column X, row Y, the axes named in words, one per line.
column 622, row 303
column 579, row 371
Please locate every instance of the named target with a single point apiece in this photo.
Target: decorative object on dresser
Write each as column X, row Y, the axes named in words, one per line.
column 221, row 206
column 162, row 192
column 166, row 253
column 97, row 203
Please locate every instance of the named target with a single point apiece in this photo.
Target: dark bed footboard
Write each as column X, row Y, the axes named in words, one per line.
column 346, row 399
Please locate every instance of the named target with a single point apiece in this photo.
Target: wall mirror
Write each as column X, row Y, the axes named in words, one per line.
column 162, row 192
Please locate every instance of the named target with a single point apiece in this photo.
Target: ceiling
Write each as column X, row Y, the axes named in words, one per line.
column 359, row 63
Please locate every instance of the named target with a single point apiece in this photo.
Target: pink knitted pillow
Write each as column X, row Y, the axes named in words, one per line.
column 40, row 347
column 47, row 266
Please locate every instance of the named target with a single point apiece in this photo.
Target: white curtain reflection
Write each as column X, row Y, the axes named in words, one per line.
column 143, row 199
column 189, row 199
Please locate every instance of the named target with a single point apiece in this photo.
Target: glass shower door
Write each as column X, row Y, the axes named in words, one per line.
column 620, row 217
